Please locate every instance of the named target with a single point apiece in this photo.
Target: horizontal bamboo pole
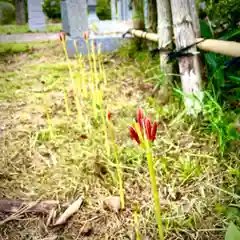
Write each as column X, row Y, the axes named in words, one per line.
column 228, row 48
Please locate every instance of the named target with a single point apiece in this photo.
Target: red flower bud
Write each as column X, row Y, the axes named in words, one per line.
column 140, row 116
column 134, row 134
column 61, row 36
column 148, row 128
column 109, row 116
column 154, row 131
column 85, row 36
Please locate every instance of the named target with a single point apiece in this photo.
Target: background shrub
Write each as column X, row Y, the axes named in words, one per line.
column 7, row 13
column 103, row 9
column 52, row 9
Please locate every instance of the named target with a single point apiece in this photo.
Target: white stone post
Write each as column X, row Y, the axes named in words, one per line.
column 36, row 17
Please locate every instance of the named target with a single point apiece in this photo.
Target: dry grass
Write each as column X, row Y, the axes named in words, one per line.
column 197, row 186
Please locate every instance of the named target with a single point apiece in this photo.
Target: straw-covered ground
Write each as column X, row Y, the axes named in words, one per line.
column 48, row 155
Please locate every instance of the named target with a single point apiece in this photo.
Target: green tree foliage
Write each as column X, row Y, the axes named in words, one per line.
column 52, row 9
column 103, row 9
column 7, row 13
column 223, row 12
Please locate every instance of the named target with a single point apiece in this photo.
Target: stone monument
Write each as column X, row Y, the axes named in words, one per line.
column 92, row 5
column 75, row 22
column 36, row 17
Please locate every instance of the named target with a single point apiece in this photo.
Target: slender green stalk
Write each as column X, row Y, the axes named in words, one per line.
column 147, row 146
column 95, row 66
column 136, row 223
column 91, row 81
column 80, row 117
column 49, row 121
column 81, row 83
column 148, row 150
column 66, row 102
column 99, row 95
column 101, row 66
column 68, row 112
column 119, row 170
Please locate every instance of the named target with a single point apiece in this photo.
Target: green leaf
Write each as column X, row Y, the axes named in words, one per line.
column 211, row 59
column 232, row 232
column 205, row 29
column 230, row 35
column 235, row 79
column 220, row 77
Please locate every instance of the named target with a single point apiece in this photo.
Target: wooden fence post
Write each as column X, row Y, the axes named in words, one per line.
column 188, row 65
column 165, row 40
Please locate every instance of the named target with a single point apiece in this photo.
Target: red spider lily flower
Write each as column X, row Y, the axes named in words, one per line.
column 140, row 118
column 134, row 134
column 85, row 36
column 109, row 116
column 61, row 36
column 144, row 125
column 154, row 131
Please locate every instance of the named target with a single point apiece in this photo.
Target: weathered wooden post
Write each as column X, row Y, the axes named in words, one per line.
column 152, row 16
column 150, row 20
column 195, row 18
column 146, row 13
column 36, row 17
column 165, row 41
column 188, row 65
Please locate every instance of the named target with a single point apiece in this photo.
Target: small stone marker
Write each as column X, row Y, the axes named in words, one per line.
column 36, row 17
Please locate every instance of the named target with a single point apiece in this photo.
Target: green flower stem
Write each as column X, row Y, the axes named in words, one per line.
column 80, row 117
column 148, row 150
column 99, row 98
column 91, row 81
column 49, row 121
column 136, row 223
column 66, row 101
column 119, row 170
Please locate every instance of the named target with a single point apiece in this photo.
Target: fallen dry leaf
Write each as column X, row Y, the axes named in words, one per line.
column 73, row 208
column 112, row 203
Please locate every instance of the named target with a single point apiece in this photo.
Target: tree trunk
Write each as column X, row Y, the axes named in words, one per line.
column 138, row 12
column 20, row 12
column 189, row 65
column 165, row 41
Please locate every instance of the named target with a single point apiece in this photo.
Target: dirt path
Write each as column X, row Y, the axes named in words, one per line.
column 28, row 37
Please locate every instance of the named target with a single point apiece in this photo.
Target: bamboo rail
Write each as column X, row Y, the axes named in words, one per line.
column 228, row 48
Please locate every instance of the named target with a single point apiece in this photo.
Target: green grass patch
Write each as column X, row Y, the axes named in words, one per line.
column 11, row 29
